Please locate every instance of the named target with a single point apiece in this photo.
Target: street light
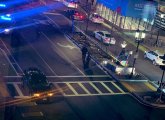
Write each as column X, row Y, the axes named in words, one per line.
column 139, row 37
column 123, row 45
column 160, row 22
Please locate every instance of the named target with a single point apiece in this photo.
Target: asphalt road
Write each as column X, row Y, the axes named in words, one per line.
column 51, row 52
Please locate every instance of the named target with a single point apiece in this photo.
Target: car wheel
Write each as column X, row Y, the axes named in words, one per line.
column 154, row 62
column 145, row 56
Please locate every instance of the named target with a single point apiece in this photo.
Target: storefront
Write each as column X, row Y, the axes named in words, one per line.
column 128, row 14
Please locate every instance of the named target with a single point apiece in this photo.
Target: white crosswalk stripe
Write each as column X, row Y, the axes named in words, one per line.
column 85, row 86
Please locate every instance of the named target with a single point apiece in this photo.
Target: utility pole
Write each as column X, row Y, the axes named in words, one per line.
column 89, row 12
column 161, row 85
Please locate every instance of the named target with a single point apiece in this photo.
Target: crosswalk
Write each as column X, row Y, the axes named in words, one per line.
column 75, row 88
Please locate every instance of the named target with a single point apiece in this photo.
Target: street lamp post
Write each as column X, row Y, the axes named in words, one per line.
column 160, row 22
column 161, row 84
column 123, row 45
column 139, row 36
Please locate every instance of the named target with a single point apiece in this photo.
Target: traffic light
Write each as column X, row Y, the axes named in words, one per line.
column 163, row 57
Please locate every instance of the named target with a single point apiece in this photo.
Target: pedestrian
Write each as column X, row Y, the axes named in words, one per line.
column 87, row 60
column 84, row 51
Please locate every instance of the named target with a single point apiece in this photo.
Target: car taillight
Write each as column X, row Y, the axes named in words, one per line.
column 81, row 16
column 107, row 39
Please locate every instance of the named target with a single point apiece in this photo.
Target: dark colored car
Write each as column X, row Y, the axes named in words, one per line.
column 76, row 15
column 37, row 83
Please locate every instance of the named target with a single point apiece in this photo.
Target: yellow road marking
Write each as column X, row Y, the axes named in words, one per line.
column 71, row 88
column 129, row 87
column 95, row 88
column 118, row 87
column 150, row 86
column 107, row 87
column 84, row 88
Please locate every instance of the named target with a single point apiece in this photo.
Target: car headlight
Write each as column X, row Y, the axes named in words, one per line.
column 36, row 95
column 7, row 30
column 50, row 94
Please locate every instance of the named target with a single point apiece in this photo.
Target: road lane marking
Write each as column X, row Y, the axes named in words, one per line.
column 117, row 87
column 75, row 93
column 59, row 88
column 68, row 76
column 32, row 114
column 66, row 46
column 107, row 87
column 9, row 61
column 64, row 55
column 84, row 88
column 128, row 86
column 23, row 97
column 150, row 86
column 12, row 58
column 18, row 89
column 72, row 89
column 84, row 95
column 81, row 95
column 42, row 59
column 27, row 104
column 95, row 88
column 50, row 13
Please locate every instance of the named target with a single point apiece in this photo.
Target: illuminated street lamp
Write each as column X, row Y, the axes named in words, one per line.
column 139, row 37
column 124, row 44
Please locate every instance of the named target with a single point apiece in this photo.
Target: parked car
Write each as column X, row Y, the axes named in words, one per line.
column 154, row 56
column 36, row 82
column 96, row 18
column 76, row 15
column 71, row 3
column 105, row 37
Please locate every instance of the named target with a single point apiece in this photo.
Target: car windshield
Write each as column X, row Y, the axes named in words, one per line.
column 107, row 35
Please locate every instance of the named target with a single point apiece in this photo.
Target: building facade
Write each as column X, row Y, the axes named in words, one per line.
column 128, row 14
